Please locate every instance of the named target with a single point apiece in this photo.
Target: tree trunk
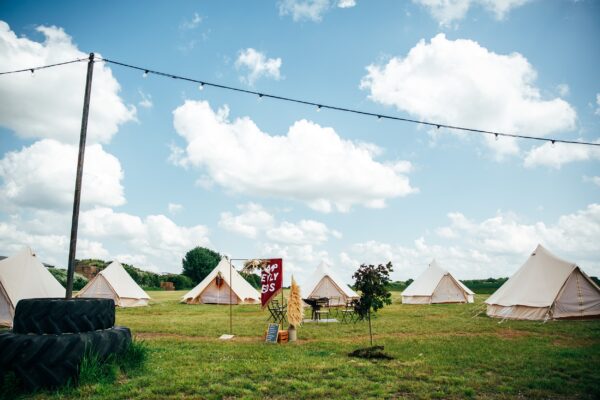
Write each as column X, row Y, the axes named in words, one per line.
column 370, row 331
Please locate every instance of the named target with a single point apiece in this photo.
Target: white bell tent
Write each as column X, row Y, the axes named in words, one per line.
column 546, row 287
column 217, row 288
column 324, row 283
column 113, row 282
column 436, row 285
column 23, row 276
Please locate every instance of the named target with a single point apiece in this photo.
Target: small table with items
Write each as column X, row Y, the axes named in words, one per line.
column 319, row 306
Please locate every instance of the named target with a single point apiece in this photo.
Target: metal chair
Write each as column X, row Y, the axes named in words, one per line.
column 348, row 313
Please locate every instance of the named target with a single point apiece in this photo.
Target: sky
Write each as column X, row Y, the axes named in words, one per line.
column 171, row 165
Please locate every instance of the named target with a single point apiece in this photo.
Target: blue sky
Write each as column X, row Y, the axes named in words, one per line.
column 170, row 166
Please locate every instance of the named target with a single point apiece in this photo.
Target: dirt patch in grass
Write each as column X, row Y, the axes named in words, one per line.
column 512, row 334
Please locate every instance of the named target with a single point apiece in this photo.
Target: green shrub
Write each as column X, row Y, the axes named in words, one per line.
column 79, row 281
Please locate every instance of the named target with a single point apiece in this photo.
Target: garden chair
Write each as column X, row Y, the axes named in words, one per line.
column 348, row 313
column 322, row 309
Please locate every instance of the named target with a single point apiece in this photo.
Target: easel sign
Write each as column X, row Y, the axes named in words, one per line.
column 272, row 332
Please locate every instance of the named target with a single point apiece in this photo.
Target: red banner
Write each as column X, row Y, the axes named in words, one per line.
column 271, row 279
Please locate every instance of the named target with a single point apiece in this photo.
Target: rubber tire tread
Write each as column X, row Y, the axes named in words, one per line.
column 55, row 316
column 50, row 361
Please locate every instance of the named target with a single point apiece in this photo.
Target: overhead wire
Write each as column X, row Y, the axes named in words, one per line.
column 32, row 69
column 319, row 106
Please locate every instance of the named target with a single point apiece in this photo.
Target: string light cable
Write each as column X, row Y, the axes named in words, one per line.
column 319, row 106
column 33, row 69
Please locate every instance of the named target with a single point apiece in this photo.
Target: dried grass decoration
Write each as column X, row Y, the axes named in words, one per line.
column 295, row 310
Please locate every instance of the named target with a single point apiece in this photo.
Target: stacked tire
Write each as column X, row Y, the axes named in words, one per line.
column 51, row 336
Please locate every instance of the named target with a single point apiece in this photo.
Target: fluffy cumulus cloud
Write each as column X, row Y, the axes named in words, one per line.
column 304, row 10
column 174, row 208
column 496, row 246
column 459, row 82
column 47, row 104
column 593, row 179
column 559, row 154
column 249, row 223
column 304, row 232
column 192, row 23
column 51, row 248
column 154, row 242
column 447, row 12
column 254, row 221
column 311, row 163
column 346, row 3
column 42, row 176
column 257, row 65
column 299, row 243
column 299, row 260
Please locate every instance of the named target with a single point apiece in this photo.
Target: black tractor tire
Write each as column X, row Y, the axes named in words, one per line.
column 55, row 316
column 50, row 361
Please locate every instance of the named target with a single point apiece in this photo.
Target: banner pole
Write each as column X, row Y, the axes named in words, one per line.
column 230, row 301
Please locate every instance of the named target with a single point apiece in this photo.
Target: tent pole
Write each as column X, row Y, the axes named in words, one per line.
column 77, row 196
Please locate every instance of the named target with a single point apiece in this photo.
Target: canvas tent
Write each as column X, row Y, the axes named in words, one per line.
column 113, row 282
column 23, row 276
column 436, row 285
column 324, row 283
column 546, row 287
column 217, row 288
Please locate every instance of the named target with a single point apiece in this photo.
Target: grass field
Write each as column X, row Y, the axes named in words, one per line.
column 441, row 351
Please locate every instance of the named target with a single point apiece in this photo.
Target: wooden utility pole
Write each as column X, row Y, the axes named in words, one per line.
column 77, row 197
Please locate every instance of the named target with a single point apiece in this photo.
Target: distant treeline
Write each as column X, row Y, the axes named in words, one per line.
column 146, row 279
column 479, row 286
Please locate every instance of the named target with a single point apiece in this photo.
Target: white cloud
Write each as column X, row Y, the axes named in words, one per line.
column 51, row 248
column 249, row 223
column 193, row 23
column 555, row 156
column 42, row 176
column 304, row 232
column 311, row 163
column 346, row 3
column 594, row 179
column 48, row 103
column 155, row 237
column 448, row 11
column 563, row 89
column 459, row 82
column 299, row 260
column 597, row 112
column 257, row 65
column 174, row 208
column 496, row 246
column 154, row 242
column 304, row 10
column 146, row 101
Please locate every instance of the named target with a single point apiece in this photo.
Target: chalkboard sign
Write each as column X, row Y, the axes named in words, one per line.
column 272, row 332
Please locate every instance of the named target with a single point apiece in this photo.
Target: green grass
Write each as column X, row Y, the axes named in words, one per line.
column 440, row 351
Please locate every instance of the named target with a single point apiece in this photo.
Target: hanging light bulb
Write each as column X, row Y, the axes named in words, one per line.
column 379, row 118
column 32, row 73
column 553, row 143
column 495, row 134
column 318, row 108
column 201, row 87
column 145, row 74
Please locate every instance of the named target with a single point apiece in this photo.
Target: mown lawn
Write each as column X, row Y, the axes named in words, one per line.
column 441, row 351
